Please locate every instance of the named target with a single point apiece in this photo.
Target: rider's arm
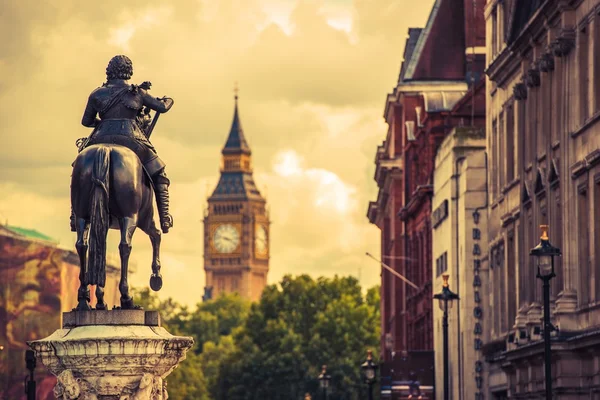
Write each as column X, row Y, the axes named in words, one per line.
column 160, row 105
column 89, row 115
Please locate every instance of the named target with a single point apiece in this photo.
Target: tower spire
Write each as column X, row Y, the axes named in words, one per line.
column 236, row 142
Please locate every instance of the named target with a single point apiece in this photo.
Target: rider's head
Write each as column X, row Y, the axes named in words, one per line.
column 119, row 67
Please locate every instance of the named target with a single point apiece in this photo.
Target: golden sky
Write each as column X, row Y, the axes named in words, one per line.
column 313, row 78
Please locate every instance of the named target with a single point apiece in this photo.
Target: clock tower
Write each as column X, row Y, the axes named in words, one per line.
column 236, row 224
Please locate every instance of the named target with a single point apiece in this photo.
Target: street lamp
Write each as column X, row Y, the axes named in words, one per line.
column 545, row 252
column 446, row 298
column 30, row 384
column 324, row 381
column 369, row 369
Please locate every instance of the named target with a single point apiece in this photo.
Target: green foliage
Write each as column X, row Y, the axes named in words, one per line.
column 274, row 349
column 298, row 326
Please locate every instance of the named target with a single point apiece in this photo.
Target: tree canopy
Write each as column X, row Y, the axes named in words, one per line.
column 274, row 349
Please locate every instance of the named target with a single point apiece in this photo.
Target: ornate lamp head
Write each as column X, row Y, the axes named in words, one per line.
column 545, row 252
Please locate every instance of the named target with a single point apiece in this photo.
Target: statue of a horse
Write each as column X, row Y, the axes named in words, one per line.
column 109, row 189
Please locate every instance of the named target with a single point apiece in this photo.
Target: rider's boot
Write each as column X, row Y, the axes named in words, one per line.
column 161, row 187
column 73, row 228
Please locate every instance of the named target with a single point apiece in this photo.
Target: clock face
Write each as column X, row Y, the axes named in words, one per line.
column 260, row 239
column 226, row 238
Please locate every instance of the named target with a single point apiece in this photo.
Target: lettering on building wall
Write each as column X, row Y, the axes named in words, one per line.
column 440, row 214
column 477, row 310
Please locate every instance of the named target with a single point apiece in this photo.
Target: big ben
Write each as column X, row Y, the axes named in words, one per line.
column 236, row 224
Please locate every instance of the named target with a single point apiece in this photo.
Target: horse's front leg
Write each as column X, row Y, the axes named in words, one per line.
column 83, row 294
column 127, row 226
column 155, row 237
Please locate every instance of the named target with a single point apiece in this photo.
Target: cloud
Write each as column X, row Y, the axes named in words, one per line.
column 313, row 77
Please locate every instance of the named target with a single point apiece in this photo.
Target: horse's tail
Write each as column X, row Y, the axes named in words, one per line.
column 99, row 218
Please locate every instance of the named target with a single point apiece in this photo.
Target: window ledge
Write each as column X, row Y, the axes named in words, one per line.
column 588, row 122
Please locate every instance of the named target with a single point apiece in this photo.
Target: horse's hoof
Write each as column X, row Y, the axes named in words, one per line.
column 83, row 306
column 156, row 282
column 127, row 304
column 101, row 306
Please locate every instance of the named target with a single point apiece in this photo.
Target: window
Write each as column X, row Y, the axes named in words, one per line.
column 510, row 143
column 583, row 233
column 584, row 73
column 510, row 272
column 494, row 33
column 596, row 64
column 521, row 134
column 501, row 154
column 597, row 233
column 499, row 289
column 556, row 231
column 495, row 164
column 441, row 264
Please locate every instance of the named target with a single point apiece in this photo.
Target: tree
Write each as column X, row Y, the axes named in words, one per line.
column 295, row 328
column 274, row 349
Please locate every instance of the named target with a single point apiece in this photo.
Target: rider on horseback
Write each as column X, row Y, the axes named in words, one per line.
column 122, row 121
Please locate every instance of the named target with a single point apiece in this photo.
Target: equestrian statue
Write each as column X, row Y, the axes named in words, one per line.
column 114, row 176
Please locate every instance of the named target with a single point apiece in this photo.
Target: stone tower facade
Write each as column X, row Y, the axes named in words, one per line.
column 236, row 225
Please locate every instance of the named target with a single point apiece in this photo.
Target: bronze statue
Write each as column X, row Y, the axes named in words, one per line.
column 112, row 179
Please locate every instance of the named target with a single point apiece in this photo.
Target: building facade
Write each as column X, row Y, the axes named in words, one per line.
column 543, row 140
column 236, row 225
column 459, row 222
column 38, row 282
column 442, row 63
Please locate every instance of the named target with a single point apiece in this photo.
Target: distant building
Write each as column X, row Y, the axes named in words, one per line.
column 442, row 63
column 236, row 225
column 459, row 222
column 38, row 282
column 544, row 168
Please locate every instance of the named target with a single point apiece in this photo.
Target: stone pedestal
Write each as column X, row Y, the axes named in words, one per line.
column 115, row 354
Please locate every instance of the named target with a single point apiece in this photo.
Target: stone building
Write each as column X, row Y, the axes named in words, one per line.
column 459, row 222
column 543, row 98
column 236, row 225
column 441, row 61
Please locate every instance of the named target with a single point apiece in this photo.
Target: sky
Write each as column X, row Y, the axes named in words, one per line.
column 313, row 78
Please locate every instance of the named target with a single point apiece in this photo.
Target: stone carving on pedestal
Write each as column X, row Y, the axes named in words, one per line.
column 69, row 388
column 116, row 355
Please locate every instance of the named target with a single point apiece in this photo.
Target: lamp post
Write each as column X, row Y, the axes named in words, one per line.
column 324, row 381
column 30, row 362
column 545, row 252
column 369, row 369
column 446, row 298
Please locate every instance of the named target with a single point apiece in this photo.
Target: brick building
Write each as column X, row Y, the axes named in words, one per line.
column 441, row 61
column 544, row 149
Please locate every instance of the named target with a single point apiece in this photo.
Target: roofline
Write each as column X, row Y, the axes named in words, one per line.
column 424, row 35
column 418, row 86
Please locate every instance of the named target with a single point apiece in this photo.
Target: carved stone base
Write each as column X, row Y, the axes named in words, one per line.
column 116, row 355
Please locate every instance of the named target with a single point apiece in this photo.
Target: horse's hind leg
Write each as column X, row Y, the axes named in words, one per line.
column 128, row 226
column 83, row 295
column 155, row 237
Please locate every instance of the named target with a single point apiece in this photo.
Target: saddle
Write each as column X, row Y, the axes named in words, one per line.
column 125, row 137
